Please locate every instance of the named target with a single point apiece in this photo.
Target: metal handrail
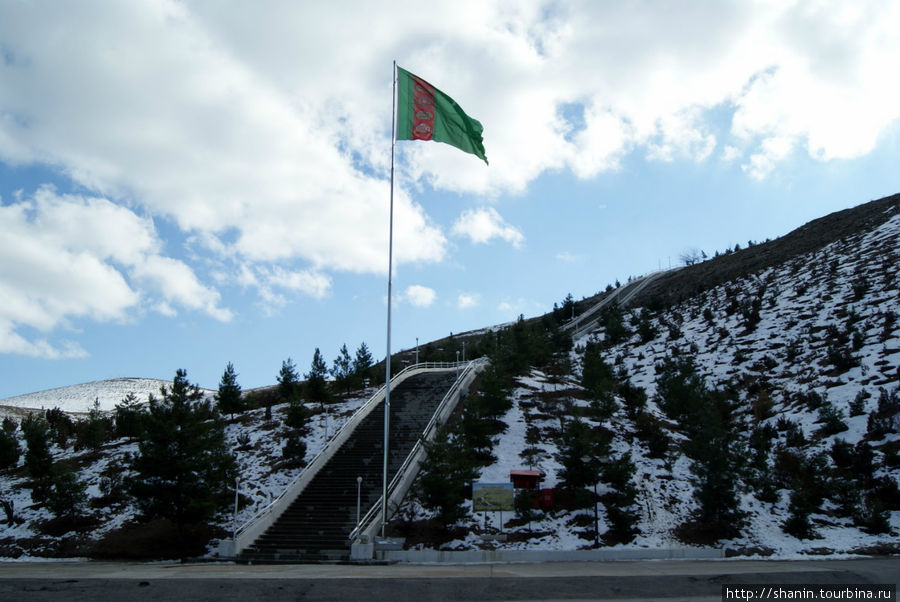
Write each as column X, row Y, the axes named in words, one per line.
column 612, row 296
column 579, row 325
column 351, row 424
column 376, row 507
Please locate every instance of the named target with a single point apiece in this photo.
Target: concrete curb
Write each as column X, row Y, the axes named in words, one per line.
column 489, row 556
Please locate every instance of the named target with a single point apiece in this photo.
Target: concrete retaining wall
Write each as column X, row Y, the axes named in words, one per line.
column 487, row 556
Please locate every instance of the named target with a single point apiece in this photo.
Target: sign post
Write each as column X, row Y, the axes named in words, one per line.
column 492, row 497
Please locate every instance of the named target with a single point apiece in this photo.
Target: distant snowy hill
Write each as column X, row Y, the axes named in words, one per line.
column 80, row 398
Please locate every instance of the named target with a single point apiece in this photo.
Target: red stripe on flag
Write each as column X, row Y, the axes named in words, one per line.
column 423, row 116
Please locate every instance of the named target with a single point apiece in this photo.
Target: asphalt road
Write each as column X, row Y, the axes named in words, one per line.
column 645, row 580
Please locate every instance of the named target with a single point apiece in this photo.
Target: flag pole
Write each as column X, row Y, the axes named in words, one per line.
column 387, row 357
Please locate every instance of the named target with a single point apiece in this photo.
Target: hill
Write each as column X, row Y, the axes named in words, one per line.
column 799, row 334
column 80, row 398
column 794, row 343
column 692, row 280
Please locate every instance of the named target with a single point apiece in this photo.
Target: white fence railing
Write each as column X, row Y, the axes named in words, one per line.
column 248, row 532
column 621, row 296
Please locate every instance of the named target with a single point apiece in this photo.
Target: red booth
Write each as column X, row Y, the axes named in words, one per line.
column 525, row 479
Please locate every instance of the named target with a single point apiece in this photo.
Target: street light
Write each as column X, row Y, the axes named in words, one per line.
column 596, row 521
column 589, row 461
column 358, row 487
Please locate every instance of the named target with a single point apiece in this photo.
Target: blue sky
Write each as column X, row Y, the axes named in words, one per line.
column 184, row 184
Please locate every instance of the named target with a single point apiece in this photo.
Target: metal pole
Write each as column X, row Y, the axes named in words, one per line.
column 417, row 350
column 596, row 520
column 358, row 487
column 387, row 357
column 237, row 485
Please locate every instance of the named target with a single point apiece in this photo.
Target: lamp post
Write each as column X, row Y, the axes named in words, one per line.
column 588, row 460
column 358, row 487
column 596, row 520
column 237, row 489
column 417, row 350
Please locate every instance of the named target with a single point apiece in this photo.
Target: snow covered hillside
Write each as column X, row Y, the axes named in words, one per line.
column 812, row 340
column 810, row 349
column 256, row 442
column 80, row 398
column 806, row 346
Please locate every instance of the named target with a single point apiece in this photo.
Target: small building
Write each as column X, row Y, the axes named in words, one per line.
column 525, row 479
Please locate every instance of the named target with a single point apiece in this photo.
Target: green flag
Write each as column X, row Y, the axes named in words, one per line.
column 426, row 113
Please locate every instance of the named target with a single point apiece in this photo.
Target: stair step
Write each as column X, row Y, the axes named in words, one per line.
column 315, row 526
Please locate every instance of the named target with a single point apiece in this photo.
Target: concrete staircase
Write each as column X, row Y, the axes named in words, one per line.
column 587, row 320
column 315, row 527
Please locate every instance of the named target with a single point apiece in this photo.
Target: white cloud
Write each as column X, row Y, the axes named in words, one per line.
column 228, row 119
column 467, row 300
column 175, row 281
column 271, row 284
column 192, row 130
column 731, row 153
column 12, row 343
column 601, row 144
column 567, row 257
column 484, row 224
column 420, row 296
column 307, row 282
column 64, row 257
column 772, row 150
column 512, row 308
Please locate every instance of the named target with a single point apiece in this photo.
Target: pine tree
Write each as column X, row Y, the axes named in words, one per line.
column 289, row 391
column 297, row 414
column 596, row 375
column 715, row 453
column 316, row 383
column 229, row 396
column 342, row 369
column 37, row 457
column 288, row 386
column 798, row 523
column 581, row 451
column 475, row 430
column 67, row 497
column 129, row 415
column 61, row 426
column 566, row 311
column 362, row 363
column 493, row 399
column 9, row 445
column 708, row 419
column 294, row 450
column 615, row 329
column 620, row 505
column 93, row 432
column 288, row 381
column 183, row 466
column 444, row 473
column 886, row 417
